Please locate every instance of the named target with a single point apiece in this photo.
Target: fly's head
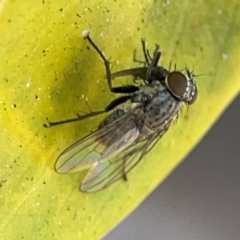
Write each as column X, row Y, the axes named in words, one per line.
column 183, row 87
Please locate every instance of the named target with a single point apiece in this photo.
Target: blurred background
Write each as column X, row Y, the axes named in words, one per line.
column 200, row 200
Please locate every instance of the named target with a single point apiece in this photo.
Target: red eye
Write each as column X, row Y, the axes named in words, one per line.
column 177, row 83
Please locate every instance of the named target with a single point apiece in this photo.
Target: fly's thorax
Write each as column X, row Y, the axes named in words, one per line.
column 147, row 92
column 161, row 111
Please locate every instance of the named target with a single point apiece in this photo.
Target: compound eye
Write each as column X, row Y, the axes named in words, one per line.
column 193, row 96
column 177, row 83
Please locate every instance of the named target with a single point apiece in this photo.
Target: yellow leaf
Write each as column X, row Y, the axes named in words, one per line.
column 47, row 70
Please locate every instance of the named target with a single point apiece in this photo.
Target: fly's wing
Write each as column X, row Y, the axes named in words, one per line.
column 106, row 172
column 99, row 146
column 110, row 152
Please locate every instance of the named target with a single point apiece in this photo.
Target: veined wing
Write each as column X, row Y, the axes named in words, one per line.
column 106, row 172
column 110, row 152
column 100, row 145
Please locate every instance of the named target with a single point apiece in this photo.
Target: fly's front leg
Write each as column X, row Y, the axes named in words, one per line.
column 123, row 89
column 157, row 47
column 153, row 66
column 135, row 72
column 136, row 60
column 139, row 72
column 151, row 62
column 147, row 57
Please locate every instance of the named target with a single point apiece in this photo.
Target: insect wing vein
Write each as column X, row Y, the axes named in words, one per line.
column 105, row 173
column 99, row 146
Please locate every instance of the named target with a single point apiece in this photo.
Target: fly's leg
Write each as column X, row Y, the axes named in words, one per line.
column 151, row 62
column 157, row 47
column 137, row 73
column 124, row 172
column 140, row 72
column 123, row 89
column 145, row 52
column 136, row 60
column 79, row 117
column 154, row 64
column 144, row 72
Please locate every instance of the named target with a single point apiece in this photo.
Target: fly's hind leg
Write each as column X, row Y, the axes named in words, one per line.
column 79, row 117
column 125, row 178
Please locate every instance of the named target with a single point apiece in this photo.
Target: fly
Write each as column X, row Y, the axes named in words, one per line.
column 142, row 115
